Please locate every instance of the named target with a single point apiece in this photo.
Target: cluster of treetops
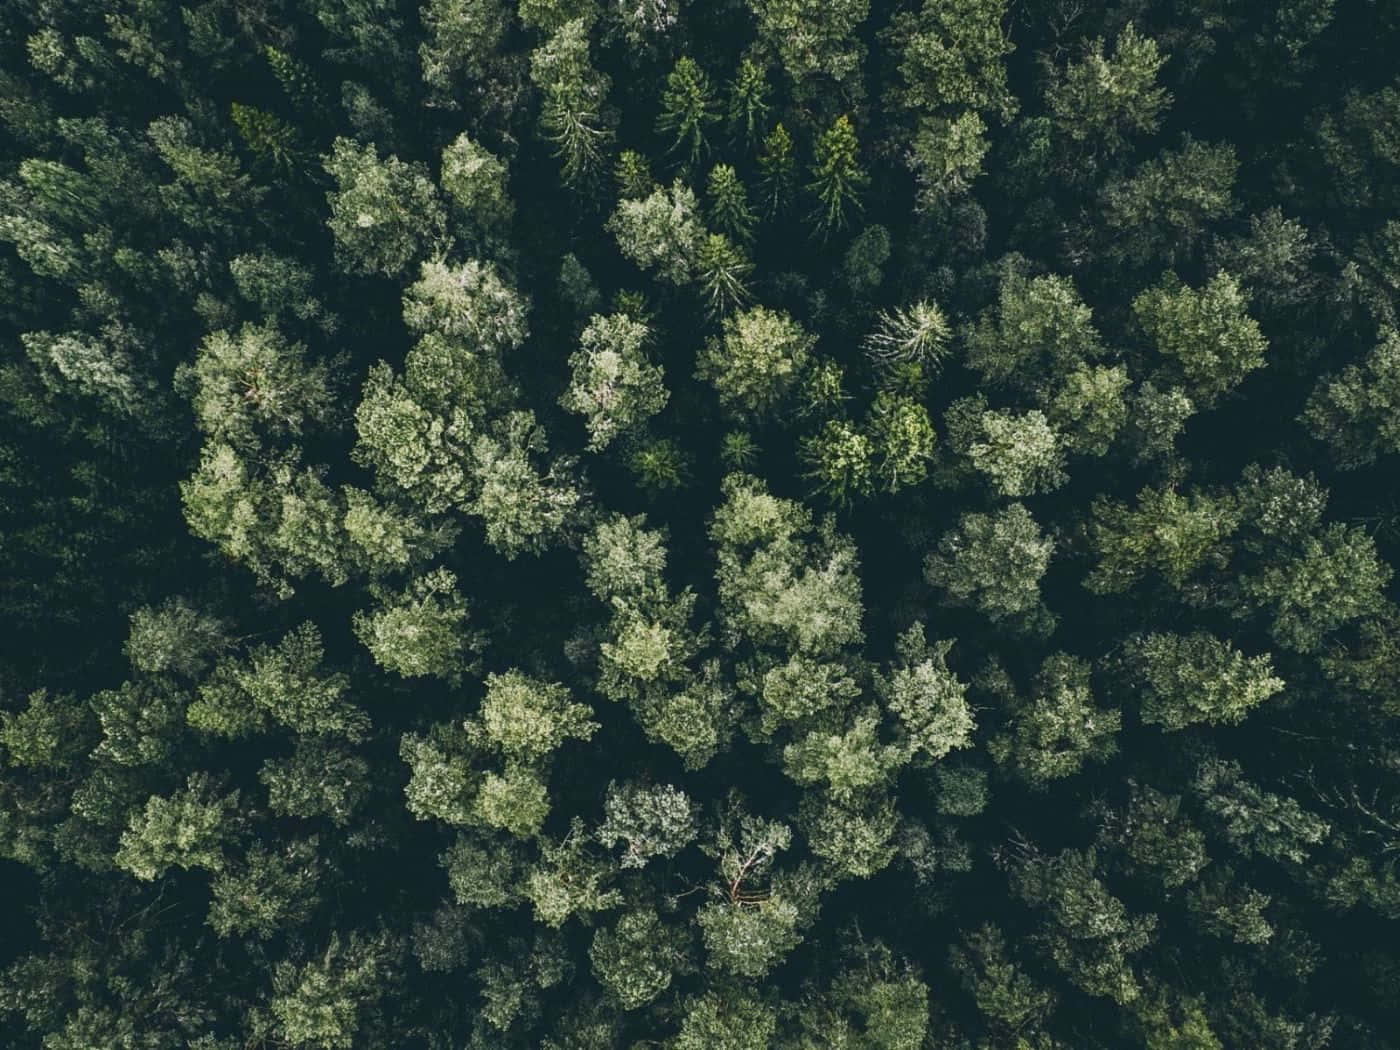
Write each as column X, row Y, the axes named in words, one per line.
column 679, row 525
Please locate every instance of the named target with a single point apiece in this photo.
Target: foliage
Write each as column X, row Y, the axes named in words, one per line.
column 773, row 525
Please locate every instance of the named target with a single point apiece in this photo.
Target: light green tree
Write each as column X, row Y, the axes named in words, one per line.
column 992, row 562
column 838, row 179
column 384, row 213
column 474, row 180
column 1167, row 534
column 928, row 702
column 527, row 719
column 462, row 36
column 575, row 115
column 1038, row 331
column 902, row 441
column 469, row 302
column 1098, row 101
column 1021, row 455
column 1356, row 412
column 1162, row 210
column 268, row 891
column 838, row 461
column 613, row 385
column 253, row 383
column 1091, row 407
column 775, row 588
column 421, row 630
column 1207, row 336
column 320, row 1003
column 760, row 356
column 946, row 158
column 1087, row 932
column 320, row 778
column 688, row 108
column 1186, row 679
column 813, row 40
column 729, row 210
column 661, row 232
column 649, row 821
column 636, row 958
column 525, row 509
column 188, row 829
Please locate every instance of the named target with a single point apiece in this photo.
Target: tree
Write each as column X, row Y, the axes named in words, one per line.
column 267, row 892
column 255, row 383
column 837, row 176
column 462, row 39
column 574, row 116
column 527, row 719
column 625, row 562
column 749, row 94
column 738, row 1020
column 568, row 880
column 902, row 441
column 845, row 758
column 1254, row 821
column 1098, row 101
column 474, row 180
column 320, row 1002
column 1209, row 338
column 1058, row 728
column 1168, row 534
column 1354, row 411
column 1005, row 994
column 729, row 203
column 384, row 538
column 385, row 214
column 1155, row 837
column 525, row 509
column 319, row 779
column 723, row 272
column 469, row 302
column 77, row 363
column 661, row 232
column 838, row 461
column 189, row 829
column 865, row 259
column 176, row 637
column 613, row 384
column 946, row 157
column 917, row 333
column 1087, row 931
column 1020, row 455
column 812, row 39
column 411, row 449
column 951, row 57
column 51, row 732
column 776, row 589
column 992, row 562
column 757, row 361
column 1162, row 210
column 421, row 630
column 286, row 683
column 1185, row 679
column 927, row 700
column 688, row 108
column 636, row 959
column 649, row 821
column 777, row 170
column 1039, row 330
column 1336, row 578
column 1091, row 408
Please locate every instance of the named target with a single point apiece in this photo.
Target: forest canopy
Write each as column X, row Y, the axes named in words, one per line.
column 699, row 524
